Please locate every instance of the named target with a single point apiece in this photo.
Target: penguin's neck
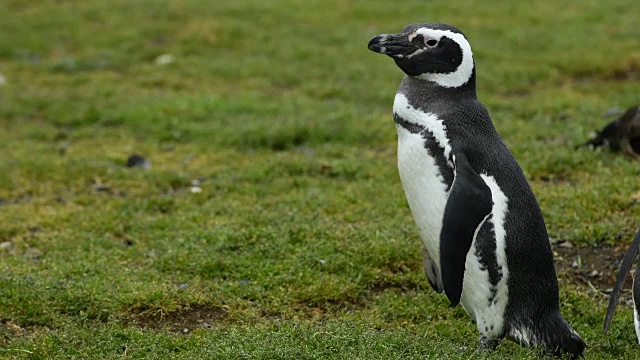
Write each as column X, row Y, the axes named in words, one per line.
column 430, row 91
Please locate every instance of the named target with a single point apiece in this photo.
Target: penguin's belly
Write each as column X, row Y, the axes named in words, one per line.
column 484, row 291
column 426, row 193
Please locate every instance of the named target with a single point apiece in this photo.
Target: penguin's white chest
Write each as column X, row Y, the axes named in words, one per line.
column 422, row 177
column 423, row 160
column 424, row 187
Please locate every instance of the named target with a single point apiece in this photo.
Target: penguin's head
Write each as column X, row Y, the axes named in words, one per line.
column 431, row 51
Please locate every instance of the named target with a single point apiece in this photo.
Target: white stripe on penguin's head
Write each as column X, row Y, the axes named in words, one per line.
column 464, row 71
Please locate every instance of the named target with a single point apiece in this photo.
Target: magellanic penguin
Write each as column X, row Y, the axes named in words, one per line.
column 485, row 243
column 628, row 260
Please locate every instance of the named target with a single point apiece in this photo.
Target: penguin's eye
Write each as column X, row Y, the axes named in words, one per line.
column 431, row 42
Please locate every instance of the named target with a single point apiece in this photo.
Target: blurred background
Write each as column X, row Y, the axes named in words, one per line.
column 264, row 194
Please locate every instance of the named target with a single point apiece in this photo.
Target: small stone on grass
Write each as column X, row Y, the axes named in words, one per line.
column 140, row 161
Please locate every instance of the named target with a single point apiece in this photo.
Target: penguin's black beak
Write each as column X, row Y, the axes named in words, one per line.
column 392, row 44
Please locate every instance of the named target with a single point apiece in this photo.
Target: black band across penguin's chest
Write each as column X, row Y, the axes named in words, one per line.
column 433, row 147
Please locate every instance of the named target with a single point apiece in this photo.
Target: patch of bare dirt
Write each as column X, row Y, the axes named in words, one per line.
column 595, row 268
column 183, row 321
column 314, row 310
column 628, row 70
column 401, row 285
column 9, row 329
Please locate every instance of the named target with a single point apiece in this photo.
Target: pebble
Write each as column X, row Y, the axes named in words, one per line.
column 101, row 187
column 33, row 229
column 196, row 187
column 165, row 59
column 5, row 245
column 612, row 111
column 140, row 161
column 565, row 244
column 306, row 150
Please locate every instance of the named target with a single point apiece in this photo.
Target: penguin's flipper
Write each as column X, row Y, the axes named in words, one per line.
column 629, row 257
column 431, row 271
column 468, row 205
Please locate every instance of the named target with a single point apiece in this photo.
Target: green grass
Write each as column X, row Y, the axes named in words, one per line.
column 300, row 244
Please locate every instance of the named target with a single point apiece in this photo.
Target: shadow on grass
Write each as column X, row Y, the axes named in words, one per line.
column 594, row 267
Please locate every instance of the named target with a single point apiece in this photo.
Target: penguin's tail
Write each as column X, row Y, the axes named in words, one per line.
column 563, row 339
column 552, row 333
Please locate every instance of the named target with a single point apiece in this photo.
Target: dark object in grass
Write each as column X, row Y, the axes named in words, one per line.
column 136, row 160
column 102, row 188
column 622, row 134
column 625, row 267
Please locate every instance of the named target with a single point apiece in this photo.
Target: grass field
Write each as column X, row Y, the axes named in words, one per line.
column 272, row 223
